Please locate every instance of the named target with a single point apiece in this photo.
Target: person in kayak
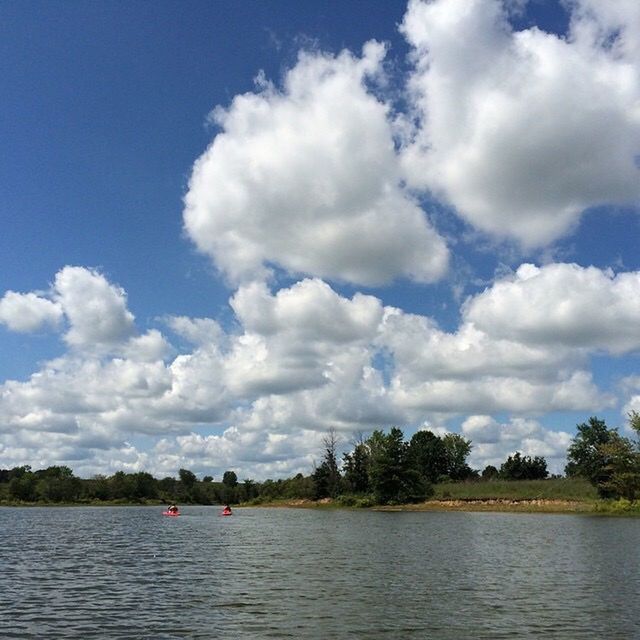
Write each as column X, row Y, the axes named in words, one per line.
column 227, row 510
column 173, row 509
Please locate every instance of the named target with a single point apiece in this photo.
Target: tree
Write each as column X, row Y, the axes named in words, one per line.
column 585, row 455
column 621, row 472
column 326, row 477
column 518, row 467
column 489, row 472
column 23, row 487
column 392, row 477
column 634, row 423
column 429, row 455
column 58, row 484
column 457, row 451
column 144, row 485
column 356, row 469
column 188, row 478
column 608, row 460
column 230, row 479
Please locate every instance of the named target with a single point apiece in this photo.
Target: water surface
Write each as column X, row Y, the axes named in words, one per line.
column 129, row 572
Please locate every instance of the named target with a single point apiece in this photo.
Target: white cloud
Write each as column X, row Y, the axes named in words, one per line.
column 307, row 178
column 27, row 312
column 96, row 309
column 198, row 331
column 493, row 442
column 300, row 359
column 148, row 347
column 562, row 305
column 523, row 131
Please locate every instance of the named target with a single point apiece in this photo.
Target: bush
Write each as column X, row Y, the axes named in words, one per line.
column 621, row 506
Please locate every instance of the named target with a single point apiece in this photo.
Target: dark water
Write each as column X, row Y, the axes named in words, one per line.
column 276, row 573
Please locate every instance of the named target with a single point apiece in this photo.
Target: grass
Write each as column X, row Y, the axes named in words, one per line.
column 565, row 489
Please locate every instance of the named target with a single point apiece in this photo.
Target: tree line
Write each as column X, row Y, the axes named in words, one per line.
column 57, row 484
column 383, row 468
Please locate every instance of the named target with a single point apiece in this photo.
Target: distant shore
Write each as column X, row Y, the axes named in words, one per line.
column 495, row 505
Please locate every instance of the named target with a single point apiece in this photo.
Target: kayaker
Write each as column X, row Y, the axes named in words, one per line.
column 227, row 510
column 173, row 508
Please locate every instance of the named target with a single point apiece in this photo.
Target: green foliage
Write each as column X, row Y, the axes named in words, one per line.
column 187, row 478
column 585, row 457
column 621, row 471
column 457, row 451
column 392, row 476
column 518, row 467
column 23, row 487
column 230, row 479
column 356, row 469
column 490, row 472
column 610, row 461
column 429, row 455
column 326, row 477
column 621, row 506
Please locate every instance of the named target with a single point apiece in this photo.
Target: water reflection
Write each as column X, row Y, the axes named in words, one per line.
column 130, row 573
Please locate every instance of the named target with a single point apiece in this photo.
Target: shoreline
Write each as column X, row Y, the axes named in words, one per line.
column 492, row 505
column 485, row 505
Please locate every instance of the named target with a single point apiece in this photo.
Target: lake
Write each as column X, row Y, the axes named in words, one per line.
column 129, row 572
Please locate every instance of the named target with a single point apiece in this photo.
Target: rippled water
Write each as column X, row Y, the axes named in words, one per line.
column 128, row 572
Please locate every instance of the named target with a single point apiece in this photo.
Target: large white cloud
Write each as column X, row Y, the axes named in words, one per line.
column 523, row 131
column 562, row 305
column 299, row 360
column 307, row 178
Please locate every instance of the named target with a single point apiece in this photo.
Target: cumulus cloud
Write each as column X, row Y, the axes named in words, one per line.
column 562, row 305
column 493, row 441
column 307, row 178
column 523, row 131
column 96, row 309
column 27, row 312
column 299, row 360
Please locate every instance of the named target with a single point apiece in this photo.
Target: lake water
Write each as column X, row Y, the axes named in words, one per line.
column 129, row 572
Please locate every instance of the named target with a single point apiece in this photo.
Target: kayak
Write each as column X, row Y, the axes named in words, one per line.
column 226, row 513
column 171, row 513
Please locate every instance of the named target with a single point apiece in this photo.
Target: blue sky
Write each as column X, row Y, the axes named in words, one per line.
column 228, row 227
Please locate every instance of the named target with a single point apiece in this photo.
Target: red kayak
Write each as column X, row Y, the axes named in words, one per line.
column 171, row 513
column 226, row 513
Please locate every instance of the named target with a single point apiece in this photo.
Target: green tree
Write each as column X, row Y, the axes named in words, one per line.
column 585, row 456
column 519, row 467
column 230, row 479
column 23, row 487
column 98, row 488
column 58, row 484
column 187, row 478
column 356, row 469
column 621, row 472
column 144, row 485
column 392, row 476
column 489, row 472
column 634, row 423
column 429, row 455
column 326, row 477
column 457, row 450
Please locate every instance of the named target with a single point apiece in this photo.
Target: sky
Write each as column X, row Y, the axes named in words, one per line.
column 229, row 227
